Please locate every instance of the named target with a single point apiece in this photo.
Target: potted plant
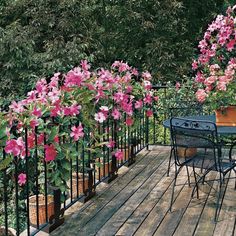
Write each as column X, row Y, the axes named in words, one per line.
column 78, row 184
column 215, row 68
column 102, row 168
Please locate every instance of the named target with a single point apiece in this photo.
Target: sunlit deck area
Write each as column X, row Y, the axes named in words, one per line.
column 137, row 203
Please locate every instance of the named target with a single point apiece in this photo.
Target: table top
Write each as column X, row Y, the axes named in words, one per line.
column 222, row 130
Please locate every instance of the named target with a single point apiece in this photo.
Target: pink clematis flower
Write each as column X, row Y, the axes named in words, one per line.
column 17, row 107
column 85, row 65
column 177, row 86
column 116, row 114
column 138, row 104
column 129, row 89
column 129, row 121
column 149, row 113
column 119, row 155
column 104, row 110
column 230, row 45
column 146, row 75
column 148, row 99
column 21, row 179
column 194, row 65
column 56, row 139
column 15, row 146
column 111, row 144
column 201, row 95
column 55, row 111
column 40, row 139
column 37, row 112
column 77, row 132
column 72, row 110
column 147, row 84
column 100, row 117
column 31, row 140
column 221, row 86
column 34, row 123
column 50, row 152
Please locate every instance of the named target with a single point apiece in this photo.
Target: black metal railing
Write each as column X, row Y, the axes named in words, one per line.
column 38, row 204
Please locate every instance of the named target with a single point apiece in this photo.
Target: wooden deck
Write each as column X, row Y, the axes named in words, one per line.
column 137, row 204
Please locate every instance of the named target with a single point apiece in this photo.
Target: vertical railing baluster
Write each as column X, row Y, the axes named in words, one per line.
column 154, row 128
column 147, row 130
column 5, row 196
column 16, row 197
column 108, row 149
column 36, row 175
column 45, row 172
column 27, row 179
column 77, row 169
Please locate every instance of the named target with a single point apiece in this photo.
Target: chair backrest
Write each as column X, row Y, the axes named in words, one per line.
column 188, row 135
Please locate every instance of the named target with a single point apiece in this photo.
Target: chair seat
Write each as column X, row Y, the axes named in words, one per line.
column 205, row 159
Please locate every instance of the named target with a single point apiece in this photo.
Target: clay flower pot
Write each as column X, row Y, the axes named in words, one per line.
column 102, row 167
column 226, row 117
column 186, row 152
column 82, row 184
column 41, row 209
column 127, row 153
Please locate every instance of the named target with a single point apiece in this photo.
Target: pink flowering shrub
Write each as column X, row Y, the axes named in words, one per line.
column 71, row 107
column 215, row 66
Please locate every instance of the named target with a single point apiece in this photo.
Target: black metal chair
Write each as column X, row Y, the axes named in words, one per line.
column 201, row 136
column 182, row 109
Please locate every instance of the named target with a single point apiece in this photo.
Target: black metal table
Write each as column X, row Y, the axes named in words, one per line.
column 221, row 130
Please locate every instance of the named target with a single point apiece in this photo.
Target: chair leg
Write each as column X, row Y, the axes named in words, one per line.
column 168, row 170
column 188, row 176
column 218, row 204
column 173, row 188
column 203, row 160
column 196, row 182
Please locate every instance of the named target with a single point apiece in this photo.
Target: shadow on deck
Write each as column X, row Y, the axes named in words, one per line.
column 137, row 203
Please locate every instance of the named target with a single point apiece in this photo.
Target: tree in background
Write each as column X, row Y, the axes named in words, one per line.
column 38, row 38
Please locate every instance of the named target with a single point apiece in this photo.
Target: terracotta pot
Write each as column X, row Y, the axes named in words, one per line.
column 103, row 167
column 226, row 117
column 41, row 208
column 82, row 184
column 127, row 153
column 186, row 152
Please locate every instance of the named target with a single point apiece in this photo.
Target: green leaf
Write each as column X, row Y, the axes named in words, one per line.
column 53, row 133
column 4, row 163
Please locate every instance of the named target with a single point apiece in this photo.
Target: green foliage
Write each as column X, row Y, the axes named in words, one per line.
column 38, row 38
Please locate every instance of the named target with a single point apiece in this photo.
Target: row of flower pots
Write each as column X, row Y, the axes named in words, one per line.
column 77, row 186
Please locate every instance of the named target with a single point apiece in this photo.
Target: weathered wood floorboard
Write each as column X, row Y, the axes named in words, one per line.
column 137, row 203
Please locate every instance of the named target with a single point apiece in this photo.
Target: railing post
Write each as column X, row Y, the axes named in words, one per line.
column 91, row 187
column 58, row 218
column 113, row 174
column 132, row 155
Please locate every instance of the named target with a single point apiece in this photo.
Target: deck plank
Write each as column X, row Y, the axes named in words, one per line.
column 142, row 211
column 81, row 217
column 137, row 203
column 155, row 217
column 93, row 226
column 225, row 225
column 118, row 219
column 206, row 223
column 190, row 218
